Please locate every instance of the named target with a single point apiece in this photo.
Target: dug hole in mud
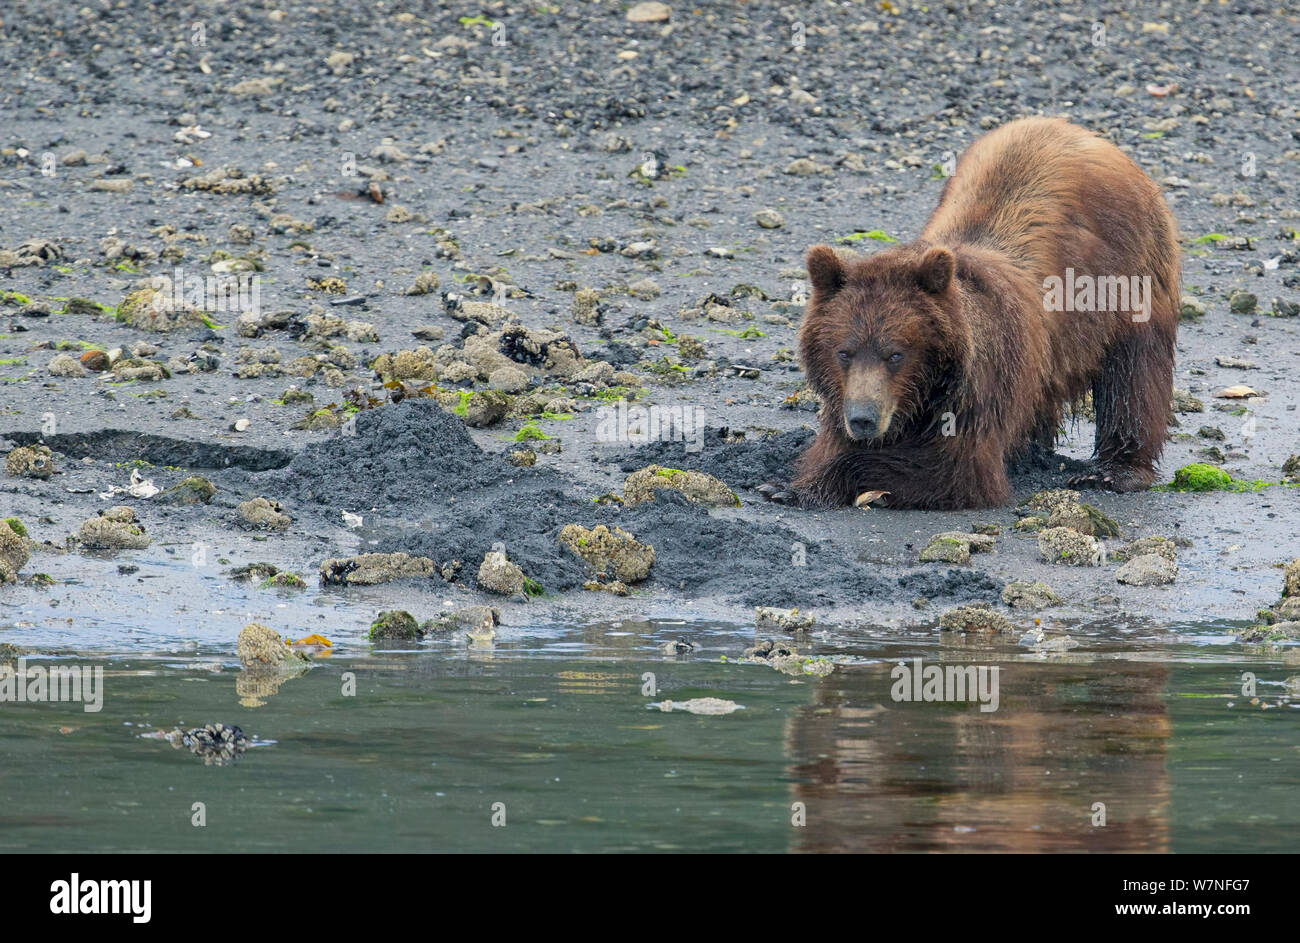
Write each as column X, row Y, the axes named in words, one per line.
column 424, row 487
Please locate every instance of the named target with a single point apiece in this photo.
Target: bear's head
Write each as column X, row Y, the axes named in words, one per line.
column 879, row 335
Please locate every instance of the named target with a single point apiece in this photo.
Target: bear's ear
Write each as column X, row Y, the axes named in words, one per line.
column 825, row 271
column 935, row 271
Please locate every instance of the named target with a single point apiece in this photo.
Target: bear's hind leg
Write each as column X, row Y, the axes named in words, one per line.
column 1132, row 399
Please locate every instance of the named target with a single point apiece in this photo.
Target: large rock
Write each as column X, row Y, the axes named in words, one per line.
column 370, row 569
column 616, row 553
column 497, row 574
column 695, row 486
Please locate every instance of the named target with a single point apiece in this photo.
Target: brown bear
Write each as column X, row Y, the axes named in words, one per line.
column 1049, row 268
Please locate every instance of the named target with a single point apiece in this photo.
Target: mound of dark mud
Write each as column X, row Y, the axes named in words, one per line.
column 433, row 492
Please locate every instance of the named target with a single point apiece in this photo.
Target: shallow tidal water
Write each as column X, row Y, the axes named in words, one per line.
column 551, row 731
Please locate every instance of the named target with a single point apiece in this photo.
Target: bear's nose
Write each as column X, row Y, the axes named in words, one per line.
column 862, row 419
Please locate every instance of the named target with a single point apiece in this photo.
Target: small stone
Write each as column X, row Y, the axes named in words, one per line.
column 65, row 365
column 262, row 647
column 480, row 622
column 802, row 166
column 30, row 461
column 975, row 618
column 1084, row 518
column 699, row 705
column 1242, row 302
column 1161, row 546
column 193, row 490
column 946, row 550
column 428, row 332
column 1023, row 594
column 649, row 12
column 1185, row 402
column 770, row 618
column 586, row 306
column 114, row 529
column 1068, row 546
column 1040, row 641
column 645, row 289
column 15, row 548
column 769, row 219
column 1291, row 578
column 1052, row 500
column 508, row 380
column 95, row 361
column 1150, row 569
column 486, row 408
column 640, row 250
column 1190, row 308
column 263, row 514
column 394, row 624
column 1291, row 469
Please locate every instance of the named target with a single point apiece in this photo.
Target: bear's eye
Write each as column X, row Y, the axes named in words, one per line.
column 845, row 356
column 894, row 359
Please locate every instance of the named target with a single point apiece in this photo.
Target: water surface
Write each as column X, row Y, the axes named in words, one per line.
column 552, row 728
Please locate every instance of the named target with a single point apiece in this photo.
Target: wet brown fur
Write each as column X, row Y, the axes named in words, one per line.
column 964, row 304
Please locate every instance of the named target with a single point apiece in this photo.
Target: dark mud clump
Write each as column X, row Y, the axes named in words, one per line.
column 116, row 445
column 1035, row 468
column 438, row 495
column 747, row 463
column 414, row 454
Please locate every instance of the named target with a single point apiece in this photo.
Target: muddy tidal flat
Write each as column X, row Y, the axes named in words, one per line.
column 385, row 392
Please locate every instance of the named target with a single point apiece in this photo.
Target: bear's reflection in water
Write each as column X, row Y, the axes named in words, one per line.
column 877, row 775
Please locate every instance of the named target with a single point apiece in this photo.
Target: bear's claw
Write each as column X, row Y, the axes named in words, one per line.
column 1093, row 480
column 778, row 494
column 1119, row 478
